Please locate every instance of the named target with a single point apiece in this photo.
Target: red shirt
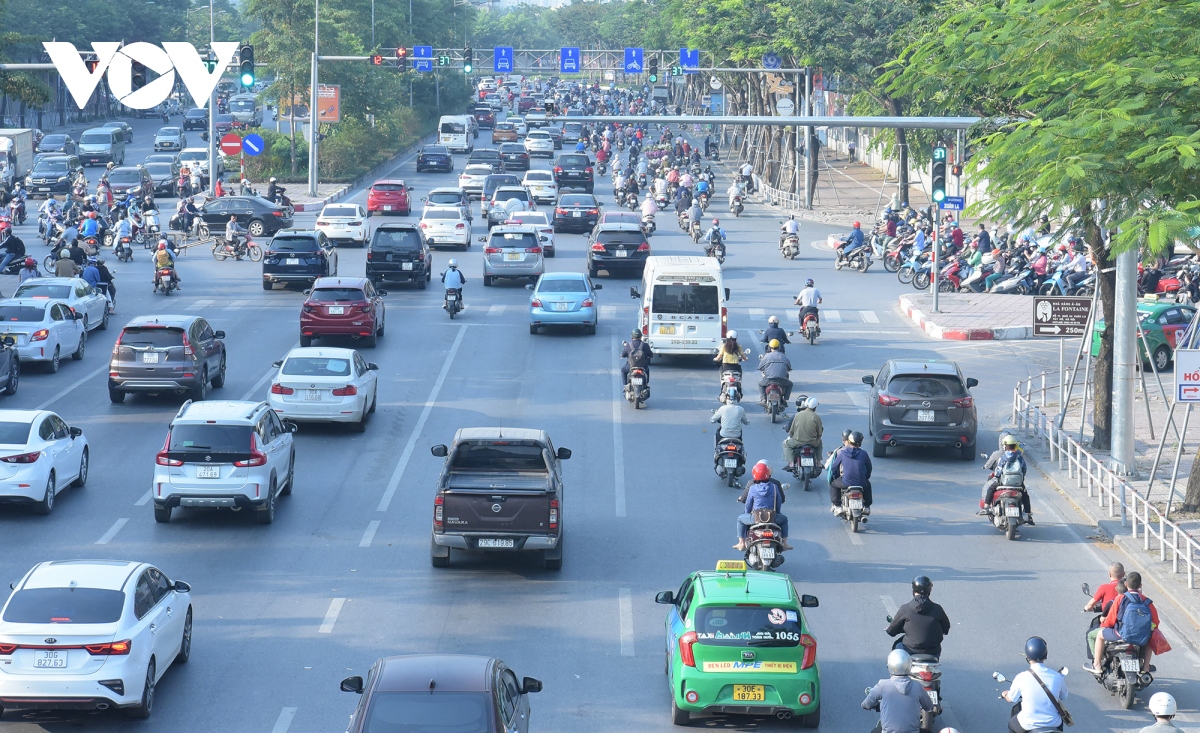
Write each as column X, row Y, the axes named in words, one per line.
column 1105, row 594
column 1114, row 613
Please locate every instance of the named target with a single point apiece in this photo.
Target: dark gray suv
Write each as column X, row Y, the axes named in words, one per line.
column 922, row 403
column 157, row 354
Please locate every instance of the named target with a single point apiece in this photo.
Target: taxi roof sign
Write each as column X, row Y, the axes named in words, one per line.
column 727, row 566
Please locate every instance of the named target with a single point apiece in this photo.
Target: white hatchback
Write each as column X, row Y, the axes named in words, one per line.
column 92, row 635
column 541, row 185
column 539, row 142
column 44, row 330
column 40, row 455
column 344, row 223
column 318, row 384
column 446, row 226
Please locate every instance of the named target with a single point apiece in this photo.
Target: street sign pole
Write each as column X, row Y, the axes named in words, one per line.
column 933, row 274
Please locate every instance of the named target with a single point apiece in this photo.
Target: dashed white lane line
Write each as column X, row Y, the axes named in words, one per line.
column 854, row 538
column 199, row 304
column 858, row 398
column 831, row 316
column 146, row 497
column 284, row 721
column 794, row 315
column 369, row 535
column 77, row 383
column 889, row 605
column 608, row 311
column 618, row 398
column 331, row 616
column 625, row 609
column 868, row 316
column 837, row 368
column 386, row 500
column 237, row 304
column 758, row 314
column 497, row 310
column 112, row 531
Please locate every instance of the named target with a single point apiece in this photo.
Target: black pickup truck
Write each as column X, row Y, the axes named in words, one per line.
column 500, row 489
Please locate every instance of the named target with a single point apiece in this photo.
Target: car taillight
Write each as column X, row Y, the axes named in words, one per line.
column 535, row 303
column 964, row 401
column 887, row 400
column 423, row 225
column 348, row 391
column 307, row 308
column 368, row 255
column 644, row 247
column 686, row 655
column 280, row 214
column 588, row 170
column 7, row 648
column 558, row 169
column 187, row 345
column 646, row 322
column 322, row 223
column 23, row 458
column 491, row 250
column 40, row 335
column 724, row 320
column 810, row 651
column 460, row 226
column 112, row 648
column 587, row 303
column 257, row 457
column 554, row 514
column 161, row 458
column 278, row 388
column 356, row 223
column 597, row 247
column 560, row 211
column 533, row 250
column 437, row 511
column 591, row 212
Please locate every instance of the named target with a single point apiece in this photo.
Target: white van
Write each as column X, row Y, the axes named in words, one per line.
column 683, row 305
column 454, row 132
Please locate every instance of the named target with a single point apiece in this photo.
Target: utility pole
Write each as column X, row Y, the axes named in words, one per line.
column 1124, row 360
column 801, row 182
column 212, row 108
column 809, row 160
column 312, row 106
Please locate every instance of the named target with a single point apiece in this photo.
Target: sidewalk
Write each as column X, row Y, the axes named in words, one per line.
column 971, row 316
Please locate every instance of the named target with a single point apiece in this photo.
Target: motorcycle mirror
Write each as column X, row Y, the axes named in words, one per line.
column 866, row 690
column 999, row 677
column 785, row 487
column 1087, row 589
column 529, row 286
column 889, row 618
column 1063, row 671
column 984, row 455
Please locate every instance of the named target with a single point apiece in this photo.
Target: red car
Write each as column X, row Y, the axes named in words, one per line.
column 343, row 306
column 389, row 196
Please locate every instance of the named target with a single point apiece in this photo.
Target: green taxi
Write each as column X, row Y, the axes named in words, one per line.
column 737, row 642
column 1162, row 323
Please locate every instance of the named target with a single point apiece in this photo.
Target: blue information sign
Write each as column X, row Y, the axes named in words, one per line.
column 502, row 59
column 689, row 59
column 422, row 58
column 252, row 144
column 771, row 60
column 953, row 203
column 569, row 60
column 634, row 61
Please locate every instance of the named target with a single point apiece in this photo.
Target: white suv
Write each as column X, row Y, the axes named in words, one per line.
column 224, row 453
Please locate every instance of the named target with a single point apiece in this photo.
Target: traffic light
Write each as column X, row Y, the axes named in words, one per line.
column 468, row 60
column 653, row 68
column 938, row 175
column 210, row 61
column 377, row 60
column 246, row 66
column 138, row 78
column 402, row 58
column 956, row 170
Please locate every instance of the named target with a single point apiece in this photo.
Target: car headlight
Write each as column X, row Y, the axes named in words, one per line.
column 61, row 179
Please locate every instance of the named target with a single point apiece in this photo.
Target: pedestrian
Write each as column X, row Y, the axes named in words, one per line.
column 850, row 150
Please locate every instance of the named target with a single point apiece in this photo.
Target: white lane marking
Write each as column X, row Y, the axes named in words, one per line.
column 394, row 482
column 854, row 538
column 832, row 316
column 618, row 433
column 496, row 310
column 868, row 316
column 889, row 605
column 837, row 368
column 858, row 398
column 199, row 304
column 236, row 304
column 331, row 616
column 146, row 497
column 90, row 375
column 608, row 311
column 758, row 314
column 284, row 721
column 263, row 379
column 112, row 531
column 794, row 315
column 369, row 535
column 625, row 608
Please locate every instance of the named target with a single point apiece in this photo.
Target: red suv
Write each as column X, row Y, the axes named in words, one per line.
column 343, row 306
column 390, row 196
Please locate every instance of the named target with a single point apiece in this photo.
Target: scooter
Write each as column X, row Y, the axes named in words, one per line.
column 695, row 231
column 636, row 389
column 660, row 199
column 851, row 508
column 602, row 167
column 703, row 197
column 165, row 282
column 124, row 249
column 1005, row 510
column 810, row 327
column 776, row 404
column 715, row 248
column 222, row 249
column 791, row 247
column 453, row 302
column 648, row 225
column 735, row 206
column 16, row 211
column 1121, row 668
column 731, row 386
column 729, row 460
column 764, row 541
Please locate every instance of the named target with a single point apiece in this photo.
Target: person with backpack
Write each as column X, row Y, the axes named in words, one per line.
column 1008, row 468
column 1132, row 619
column 637, row 355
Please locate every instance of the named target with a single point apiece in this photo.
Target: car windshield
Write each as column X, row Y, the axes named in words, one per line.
column 187, row 157
column 54, row 140
column 424, row 712
column 388, row 187
column 436, row 150
column 538, row 135
column 210, row 438
column 18, row 313
column 316, row 366
column 511, row 456
column 125, row 175
column 686, row 299
column 748, row 626
column 485, row 155
column 96, row 138
column 241, row 105
column 442, row 214
column 336, row 295
column 224, row 119
column 505, row 194
column 169, row 132
column 620, row 238
column 540, row 177
column 294, row 244
column 530, row 217
column 562, row 286
column 453, row 128
column 512, row 148
column 159, row 338
column 513, row 240
column 65, row 606
column 575, row 160
column 926, row 385
column 196, row 113
column 576, row 200
column 404, row 240
column 159, row 169
column 41, row 290
column 447, row 198
column 335, row 211
column 504, row 127
column 14, row 433
column 51, row 166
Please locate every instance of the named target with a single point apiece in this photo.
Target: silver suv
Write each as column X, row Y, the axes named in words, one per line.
column 224, row 453
column 512, row 251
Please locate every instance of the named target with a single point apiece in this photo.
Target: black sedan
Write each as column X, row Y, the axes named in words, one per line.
column 165, row 177
column 62, row 144
column 134, row 180
column 195, row 119
column 124, row 127
column 434, row 158
column 576, row 212
column 574, row 170
column 490, row 156
column 298, row 255
column 514, row 156
column 259, row 216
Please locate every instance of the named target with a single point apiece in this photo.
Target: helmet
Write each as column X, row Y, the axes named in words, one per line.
column 453, row 263
column 856, row 438
column 812, row 403
column 1035, row 649
column 774, row 344
column 773, row 320
column 899, row 662
column 30, row 262
column 846, row 434
column 91, row 215
column 808, row 282
column 761, row 471
column 1162, row 704
column 792, row 217
column 64, row 255
column 636, row 335
column 18, row 184
column 92, row 260
column 948, row 730
column 162, row 245
column 857, row 225
column 922, row 585
column 1009, row 439
column 716, row 222
column 731, row 334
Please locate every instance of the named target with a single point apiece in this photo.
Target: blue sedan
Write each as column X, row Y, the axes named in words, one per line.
column 563, row 299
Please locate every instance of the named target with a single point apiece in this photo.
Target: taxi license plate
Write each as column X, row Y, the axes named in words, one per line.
column 511, row 256
column 667, row 329
column 496, row 543
column 1131, row 665
column 312, row 395
column 51, row 659
column 150, row 357
column 406, row 265
column 924, row 415
column 208, row 472
column 561, row 306
column 806, row 461
column 337, row 310
column 622, row 253
column 856, row 504
column 730, row 463
column 749, row 693
column 1012, row 511
column 933, row 696
column 293, row 261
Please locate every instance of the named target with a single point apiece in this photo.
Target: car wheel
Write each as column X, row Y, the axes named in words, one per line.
column 487, row 281
column 162, row 514
column 374, row 398
column 115, row 396
column 591, row 330
column 361, row 425
column 268, row 285
column 104, row 321
column 146, row 705
column 371, row 341
column 287, row 487
column 266, row 515
column 382, row 326
column 14, row 377
column 200, row 391
column 878, row 449
column 46, row 505
column 78, row 355
column 1162, row 358
column 185, row 643
column 533, row 330
column 306, row 341
column 679, row 717
column 255, row 228
column 81, row 479
column 219, row 380
column 53, row 364
column 813, row 719
column 423, row 283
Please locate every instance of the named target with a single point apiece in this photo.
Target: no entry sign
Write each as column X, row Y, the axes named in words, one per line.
column 231, row 144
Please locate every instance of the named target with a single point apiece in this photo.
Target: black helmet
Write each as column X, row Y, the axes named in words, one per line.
column 1035, row 649
column 637, row 334
column 846, row 434
column 856, row 438
column 922, row 585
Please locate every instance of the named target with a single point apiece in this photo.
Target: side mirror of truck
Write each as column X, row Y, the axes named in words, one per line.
column 563, row 454
column 440, row 451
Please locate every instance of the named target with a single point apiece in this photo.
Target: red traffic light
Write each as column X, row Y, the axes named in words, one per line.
column 401, row 54
column 956, row 170
column 377, row 60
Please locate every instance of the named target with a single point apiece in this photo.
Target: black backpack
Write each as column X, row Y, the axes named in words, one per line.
column 637, row 356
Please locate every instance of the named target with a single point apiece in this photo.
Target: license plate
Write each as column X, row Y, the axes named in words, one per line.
column 44, row 188
column 406, row 266
column 496, row 543
column 337, row 310
column 1131, row 665
column 576, row 213
column 924, row 415
column 667, row 329
column 293, row 261
column 933, row 696
column 1012, row 511
column 51, row 659
column 562, row 306
column 451, row 298
column 749, row 693
column 312, row 395
column 208, row 472
column 806, row 461
column 511, row 256
column 766, row 553
column 730, row 463
column 622, row 253
column 636, row 381
column 150, row 357
column 856, row 504
column 387, row 208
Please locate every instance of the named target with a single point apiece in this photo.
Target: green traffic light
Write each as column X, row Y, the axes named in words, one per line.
column 247, row 80
column 939, row 196
column 654, row 78
column 466, row 68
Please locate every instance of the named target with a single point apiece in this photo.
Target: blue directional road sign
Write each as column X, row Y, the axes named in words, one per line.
column 422, row 58
column 771, row 60
column 253, row 144
column 634, row 61
column 569, row 60
column 689, row 59
column 953, row 203
column 502, row 59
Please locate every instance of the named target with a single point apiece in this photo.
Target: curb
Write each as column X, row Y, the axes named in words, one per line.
column 373, row 173
column 933, row 330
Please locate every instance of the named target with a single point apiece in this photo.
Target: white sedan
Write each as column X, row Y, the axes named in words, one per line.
column 519, row 123
column 538, row 220
column 539, row 142
column 446, row 226
column 75, row 291
column 92, row 635
column 344, row 223
column 40, row 455
column 542, row 186
column 317, row 384
column 44, row 330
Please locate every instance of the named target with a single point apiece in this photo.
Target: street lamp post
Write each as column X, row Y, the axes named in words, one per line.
column 212, row 110
column 312, row 106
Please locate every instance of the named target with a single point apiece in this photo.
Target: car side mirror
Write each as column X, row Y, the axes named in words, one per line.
column 219, row 335
column 440, row 451
column 277, row 364
column 352, row 684
column 665, row 596
column 563, row 454
column 972, row 382
column 529, row 684
column 529, row 286
column 726, row 293
column 807, row 601
column 483, row 239
column 869, row 380
column 308, row 292
column 411, row 188
column 290, row 426
column 423, row 198
column 373, row 366
column 597, row 286
column 75, row 432
column 181, row 587
column 78, row 316
column 382, row 293
column 633, row 293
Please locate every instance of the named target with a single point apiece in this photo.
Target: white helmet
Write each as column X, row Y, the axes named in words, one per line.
column 948, row 730
column 899, row 662
column 773, row 320
column 1162, row 705
column 453, row 263
column 731, row 334
column 272, row 179
column 812, row 403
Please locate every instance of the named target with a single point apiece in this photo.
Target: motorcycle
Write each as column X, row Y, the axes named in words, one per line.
column 660, row 199
column 222, row 249
column 1121, row 667
column 791, row 246
column 165, row 281
column 851, row 508
column 684, row 220
column 124, row 249
column 153, row 228
column 16, row 211
column 735, row 206
column 776, row 404
column 703, row 197
column 715, row 248
column 1021, row 283
column 953, row 275
column 731, row 386
column 636, row 389
column 453, row 303
column 641, row 179
column 810, row 327
column 602, row 167
column 926, row 671
column 805, row 467
column 729, row 460
column 91, row 246
column 858, row 259
column 1005, row 510
column 282, row 199
column 695, row 231
column 764, row 540
column 648, row 225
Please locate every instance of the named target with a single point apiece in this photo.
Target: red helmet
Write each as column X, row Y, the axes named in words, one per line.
column 91, row 215
column 30, row 262
column 761, row 471
column 857, row 225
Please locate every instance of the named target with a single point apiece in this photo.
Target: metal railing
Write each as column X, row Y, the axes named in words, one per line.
column 1110, row 491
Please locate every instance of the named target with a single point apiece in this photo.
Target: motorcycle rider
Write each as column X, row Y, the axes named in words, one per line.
column 65, row 266
column 730, row 355
column 107, row 286
column 1076, row 269
column 233, row 232
column 124, row 231
column 90, row 227
column 12, row 245
column 899, row 698
column 1127, row 620
column 747, row 175
column 789, row 228
column 1032, row 690
column 851, row 466
column 806, row 429
column 774, row 333
column 18, row 196
column 164, row 259
column 735, row 190
column 853, row 242
column 78, row 256
column 1162, row 706
column 1000, row 461
column 637, row 355
column 1105, row 594
column 29, row 271
column 921, row 622
column 763, row 492
column 649, row 208
column 454, row 280
column 715, row 235
column 775, row 367
column 808, row 299
column 731, row 417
